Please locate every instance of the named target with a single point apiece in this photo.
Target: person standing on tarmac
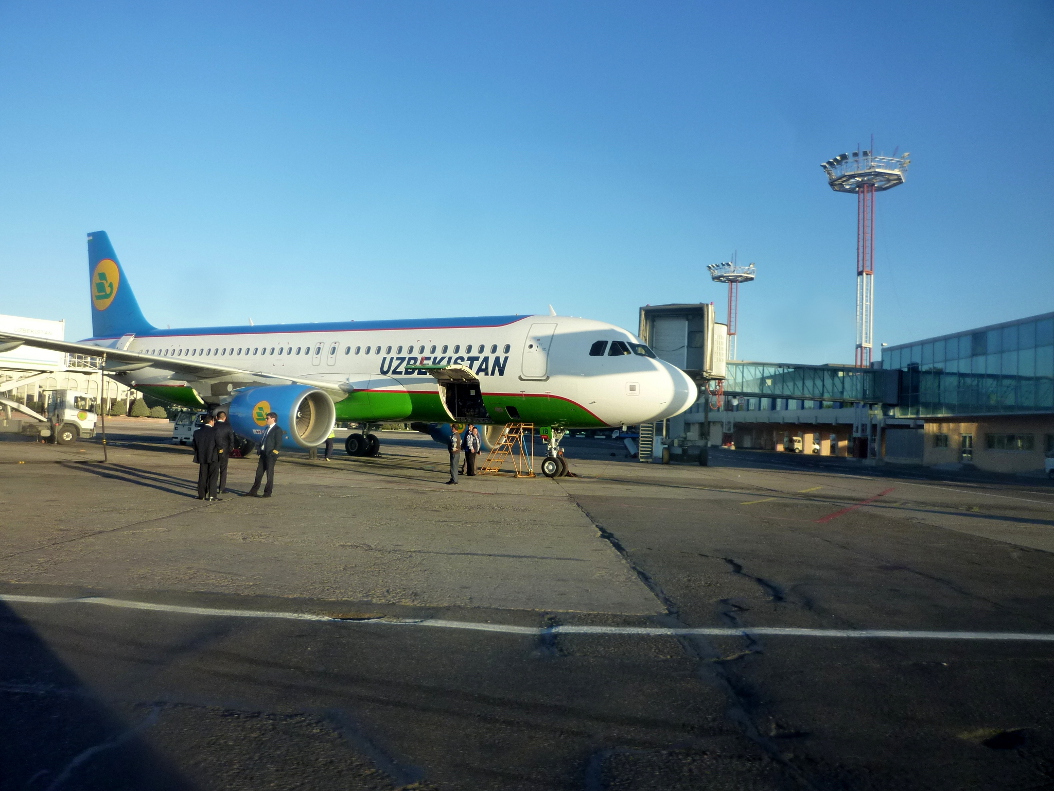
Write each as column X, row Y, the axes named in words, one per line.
column 329, row 443
column 471, row 449
column 269, row 445
column 454, row 446
column 206, row 456
column 225, row 444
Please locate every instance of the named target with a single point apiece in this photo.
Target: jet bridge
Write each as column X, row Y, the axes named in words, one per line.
column 845, row 383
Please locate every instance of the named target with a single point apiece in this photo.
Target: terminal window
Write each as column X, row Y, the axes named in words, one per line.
column 940, row 440
column 1009, row 442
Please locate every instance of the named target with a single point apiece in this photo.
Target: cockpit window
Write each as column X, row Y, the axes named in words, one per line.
column 597, row 349
column 618, row 348
column 642, row 350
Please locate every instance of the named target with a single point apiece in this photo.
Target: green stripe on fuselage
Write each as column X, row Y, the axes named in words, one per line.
column 542, row 410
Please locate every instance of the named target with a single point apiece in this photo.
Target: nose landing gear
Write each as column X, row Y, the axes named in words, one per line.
column 554, row 465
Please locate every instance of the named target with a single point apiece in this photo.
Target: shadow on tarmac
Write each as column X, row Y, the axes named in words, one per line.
column 170, row 484
column 55, row 734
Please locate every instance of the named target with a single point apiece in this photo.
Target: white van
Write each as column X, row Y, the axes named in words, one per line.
column 185, row 426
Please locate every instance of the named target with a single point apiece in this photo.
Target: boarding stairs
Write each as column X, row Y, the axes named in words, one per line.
column 646, row 442
column 517, row 442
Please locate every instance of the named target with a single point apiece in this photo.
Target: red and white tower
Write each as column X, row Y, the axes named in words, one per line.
column 733, row 274
column 865, row 174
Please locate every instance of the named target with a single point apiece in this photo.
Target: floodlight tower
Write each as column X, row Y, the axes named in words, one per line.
column 865, row 174
column 733, row 274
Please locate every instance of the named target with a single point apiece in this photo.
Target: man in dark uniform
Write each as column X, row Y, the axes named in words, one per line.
column 269, row 445
column 206, row 456
column 225, row 444
column 454, row 447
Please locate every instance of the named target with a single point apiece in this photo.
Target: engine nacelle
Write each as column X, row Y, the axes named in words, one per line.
column 305, row 413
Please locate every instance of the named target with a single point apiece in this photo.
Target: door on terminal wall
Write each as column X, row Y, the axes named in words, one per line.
column 966, row 448
column 535, row 361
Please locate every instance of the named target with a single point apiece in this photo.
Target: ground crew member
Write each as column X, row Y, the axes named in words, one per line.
column 471, row 449
column 225, row 444
column 207, row 457
column 269, row 445
column 454, row 446
column 329, row 443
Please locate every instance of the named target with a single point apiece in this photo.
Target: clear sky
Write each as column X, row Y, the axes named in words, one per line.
column 318, row 161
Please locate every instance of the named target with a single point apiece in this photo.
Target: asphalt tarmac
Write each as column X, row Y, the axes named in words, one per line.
column 756, row 624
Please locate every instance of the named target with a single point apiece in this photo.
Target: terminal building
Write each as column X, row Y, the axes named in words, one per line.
column 982, row 397
column 28, row 375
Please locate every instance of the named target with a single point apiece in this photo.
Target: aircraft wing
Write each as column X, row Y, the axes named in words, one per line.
column 132, row 361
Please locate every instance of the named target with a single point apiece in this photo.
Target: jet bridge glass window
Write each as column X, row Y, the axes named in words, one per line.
column 618, row 348
column 642, row 350
column 598, row 349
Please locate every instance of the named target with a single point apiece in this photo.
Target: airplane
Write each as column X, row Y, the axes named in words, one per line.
column 553, row 371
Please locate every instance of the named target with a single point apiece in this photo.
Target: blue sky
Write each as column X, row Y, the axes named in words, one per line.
column 350, row 160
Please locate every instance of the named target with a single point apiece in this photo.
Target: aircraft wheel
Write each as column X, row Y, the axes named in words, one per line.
column 563, row 467
column 355, row 444
column 551, row 467
column 373, row 445
column 66, row 434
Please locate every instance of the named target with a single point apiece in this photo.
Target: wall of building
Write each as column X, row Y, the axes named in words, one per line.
column 1000, row 444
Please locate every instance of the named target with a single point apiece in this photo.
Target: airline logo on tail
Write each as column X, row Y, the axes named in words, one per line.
column 104, row 282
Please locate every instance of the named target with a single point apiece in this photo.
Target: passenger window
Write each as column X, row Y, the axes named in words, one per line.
column 457, row 348
column 399, row 350
column 444, row 349
column 432, row 350
column 480, row 349
column 388, row 350
column 618, row 348
column 506, row 349
column 358, row 349
column 333, row 349
column 318, row 349
column 272, row 350
column 494, row 348
column 347, row 350
column 597, row 349
column 367, row 350
column 421, row 350
column 207, row 352
column 256, row 349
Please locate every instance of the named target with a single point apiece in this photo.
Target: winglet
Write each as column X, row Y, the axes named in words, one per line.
column 552, row 312
column 114, row 309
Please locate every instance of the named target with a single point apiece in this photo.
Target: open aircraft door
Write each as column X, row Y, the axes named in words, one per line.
column 460, row 392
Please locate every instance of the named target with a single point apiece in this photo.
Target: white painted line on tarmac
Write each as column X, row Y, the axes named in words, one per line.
column 536, row 631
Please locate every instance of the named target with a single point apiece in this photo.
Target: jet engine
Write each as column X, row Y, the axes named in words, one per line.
column 305, row 413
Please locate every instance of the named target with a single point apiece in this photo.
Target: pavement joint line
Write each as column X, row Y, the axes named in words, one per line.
column 854, row 506
column 534, row 631
column 755, row 502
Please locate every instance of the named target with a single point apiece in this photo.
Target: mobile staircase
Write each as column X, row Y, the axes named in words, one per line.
column 517, row 441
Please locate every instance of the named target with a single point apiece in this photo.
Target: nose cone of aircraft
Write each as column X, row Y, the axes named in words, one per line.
column 683, row 393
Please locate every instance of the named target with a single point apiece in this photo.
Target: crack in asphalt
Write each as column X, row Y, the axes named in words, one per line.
column 710, row 665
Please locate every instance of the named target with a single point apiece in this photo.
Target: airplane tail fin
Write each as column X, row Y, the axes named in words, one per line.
column 114, row 309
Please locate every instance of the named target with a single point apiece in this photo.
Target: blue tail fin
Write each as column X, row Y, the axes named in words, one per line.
column 114, row 310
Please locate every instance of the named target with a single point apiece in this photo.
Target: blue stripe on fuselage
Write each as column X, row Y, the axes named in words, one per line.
column 464, row 322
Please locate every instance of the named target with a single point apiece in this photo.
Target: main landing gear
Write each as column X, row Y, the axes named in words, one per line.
column 365, row 444
column 554, row 465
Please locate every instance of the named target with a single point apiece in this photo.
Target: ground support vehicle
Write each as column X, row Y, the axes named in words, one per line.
column 68, row 416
